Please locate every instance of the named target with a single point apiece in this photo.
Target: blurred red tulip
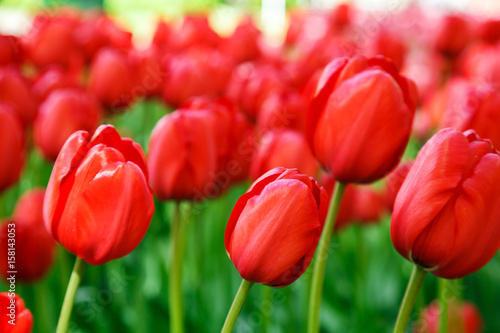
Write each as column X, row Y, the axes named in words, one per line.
column 15, row 92
column 51, row 42
column 12, row 147
column 360, row 120
column 481, row 63
column 462, row 318
column 51, row 79
column 15, row 317
column 388, row 44
column 150, row 74
column 64, row 112
column 113, row 79
column 98, row 203
column 395, row 181
column 451, row 35
column 273, row 231
column 35, row 248
column 11, row 50
column 288, row 149
column 473, row 106
column 283, row 110
column 448, row 201
column 489, row 31
column 251, row 84
column 243, row 44
column 187, row 76
column 100, row 31
column 195, row 30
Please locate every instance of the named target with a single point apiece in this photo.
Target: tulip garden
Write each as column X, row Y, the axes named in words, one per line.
column 336, row 174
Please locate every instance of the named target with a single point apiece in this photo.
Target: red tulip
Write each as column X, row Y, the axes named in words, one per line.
column 51, row 42
column 275, row 226
column 360, row 120
column 113, row 79
column 250, row 85
column 287, row 149
column 462, row 317
column 243, row 44
column 64, row 112
column 11, row 50
column 51, row 79
column 99, row 31
column 481, row 63
column 98, row 204
column 151, row 76
column 451, row 35
column 15, row 91
column 183, row 155
column 394, row 182
column 35, row 248
column 489, row 31
column 12, row 147
column 388, row 44
column 448, row 201
column 286, row 109
column 15, row 317
column 188, row 75
column 473, row 106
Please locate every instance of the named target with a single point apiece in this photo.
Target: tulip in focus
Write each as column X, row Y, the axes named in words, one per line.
column 275, row 226
column 462, row 318
column 12, row 147
column 360, row 120
column 64, row 112
column 98, row 203
column 450, row 200
column 12, row 308
column 35, row 248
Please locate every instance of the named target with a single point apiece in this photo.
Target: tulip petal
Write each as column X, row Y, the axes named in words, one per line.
column 111, row 213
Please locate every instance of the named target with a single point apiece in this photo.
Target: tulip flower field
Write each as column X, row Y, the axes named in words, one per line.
column 340, row 177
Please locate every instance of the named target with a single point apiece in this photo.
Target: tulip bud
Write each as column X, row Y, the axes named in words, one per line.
column 35, row 248
column 273, row 231
column 15, row 317
column 98, row 203
column 462, row 317
column 287, row 149
column 360, row 120
column 449, row 200
column 64, row 112
column 12, row 147
column 15, row 92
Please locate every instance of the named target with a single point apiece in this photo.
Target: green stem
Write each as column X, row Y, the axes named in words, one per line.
column 267, row 296
column 416, row 279
column 235, row 309
column 69, row 298
column 175, row 286
column 443, row 298
column 321, row 256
